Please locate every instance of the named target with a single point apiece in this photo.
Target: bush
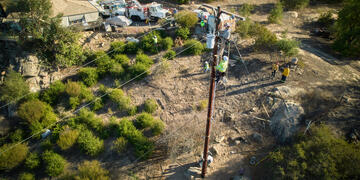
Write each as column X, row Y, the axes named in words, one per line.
column 36, row 111
column 276, row 14
column 138, row 69
column 183, row 32
column 98, row 104
column 118, row 96
column 289, row 47
column 144, row 59
column 67, row 139
column 54, row 163
column 295, row 4
column 243, row 28
column 90, row 119
column 263, row 37
column 170, row 54
column 32, row 161
column 122, row 59
column 103, row 62
column 26, row 176
column 144, row 120
column 13, row 88
column 78, row 93
column 92, row 170
column 117, row 70
column 245, row 10
column 73, row 89
column 326, row 19
column 150, row 106
column 193, row 47
column 89, row 75
column 319, row 156
column 347, row 39
column 147, row 42
column 16, row 136
column 186, row 19
column 89, row 143
column 166, row 43
column 74, row 102
column 131, row 48
column 132, row 110
column 157, row 127
column 120, row 145
column 53, row 94
column 12, row 157
column 117, row 47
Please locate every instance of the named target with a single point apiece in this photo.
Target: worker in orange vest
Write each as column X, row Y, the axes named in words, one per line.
column 285, row 74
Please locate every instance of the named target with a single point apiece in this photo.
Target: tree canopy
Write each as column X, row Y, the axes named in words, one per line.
column 14, row 87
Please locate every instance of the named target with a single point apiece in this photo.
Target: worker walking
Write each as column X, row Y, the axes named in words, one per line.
column 285, row 74
column 206, row 67
column 221, row 69
column 275, row 68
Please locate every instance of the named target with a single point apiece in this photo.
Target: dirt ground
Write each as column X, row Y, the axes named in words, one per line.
column 184, row 85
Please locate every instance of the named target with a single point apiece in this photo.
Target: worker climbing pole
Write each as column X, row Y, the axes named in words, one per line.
column 211, row 96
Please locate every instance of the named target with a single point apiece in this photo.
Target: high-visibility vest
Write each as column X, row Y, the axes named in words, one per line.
column 286, row 72
column 202, row 23
column 206, row 66
column 223, row 65
column 275, row 67
column 155, row 39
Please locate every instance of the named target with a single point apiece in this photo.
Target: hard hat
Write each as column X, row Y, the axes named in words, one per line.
column 225, row 58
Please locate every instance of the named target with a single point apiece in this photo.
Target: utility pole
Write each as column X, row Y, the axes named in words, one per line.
column 211, row 95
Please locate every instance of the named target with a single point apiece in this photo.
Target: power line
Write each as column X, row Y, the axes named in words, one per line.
column 37, row 133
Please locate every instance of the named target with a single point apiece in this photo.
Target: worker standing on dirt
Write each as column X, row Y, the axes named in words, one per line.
column 206, row 67
column 221, row 69
column 285, row 74
column 275, row 68
column 155, row 42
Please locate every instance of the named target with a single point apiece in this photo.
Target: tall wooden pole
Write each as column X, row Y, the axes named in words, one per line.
column 211, row 96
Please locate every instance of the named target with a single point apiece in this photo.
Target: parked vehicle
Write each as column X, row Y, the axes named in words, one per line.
column 153, row 11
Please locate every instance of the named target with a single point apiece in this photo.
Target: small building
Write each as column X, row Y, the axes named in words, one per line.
column 75, row 12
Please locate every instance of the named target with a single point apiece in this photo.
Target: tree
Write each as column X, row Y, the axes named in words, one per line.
column 14, row 87
column 55, row 163
column 11, row 158
column 347, row 36
column 187, row 19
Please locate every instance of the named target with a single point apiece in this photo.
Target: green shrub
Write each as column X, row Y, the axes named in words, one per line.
column 73, row 89
column 53, row 94
column 147, row 42
column 170, row 54
column 347, row 39
column 89, row 143
column 103, row 63
column 245, row 10
column 98, row 104
column 118, row 96
column 186, row 19
column 132, row 110
column 74, row 102
column 144, row 120
column 263, row 37
column 16, row 136
column 243, row 28
column 183, row 1
column 11, row 158
column 122, row 59
column 26, row 176
column 117, row 70
column 54, row 163
column 67, row 139
column 144, row 59
column 32, row 161
column 157, row 127
column 320, row 155
column 150, row 106
column 90, row 119
column 276, row 14
column 89, row 75
column 131, row 48
column 183, row 32
column 46, row 144
column 289, row 47
column 117, row 47
column 138, row 69
column 166, row 43
column 91, row 170
column 13, row 88
column 295, row 4
column 120, row 145
column 326, row 19
column 193, row 47
column 125, row 128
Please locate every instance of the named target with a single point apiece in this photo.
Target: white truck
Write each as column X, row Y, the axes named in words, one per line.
column 152, row 11
column 113, row 8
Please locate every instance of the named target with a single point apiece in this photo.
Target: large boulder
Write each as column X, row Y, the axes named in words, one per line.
column 286, row 121
column 29, row 66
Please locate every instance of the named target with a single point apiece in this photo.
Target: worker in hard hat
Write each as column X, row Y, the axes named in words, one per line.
column 275, row 68
column 206, row 67
column 221, row 68
column 226, row 33
column 285, row 74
